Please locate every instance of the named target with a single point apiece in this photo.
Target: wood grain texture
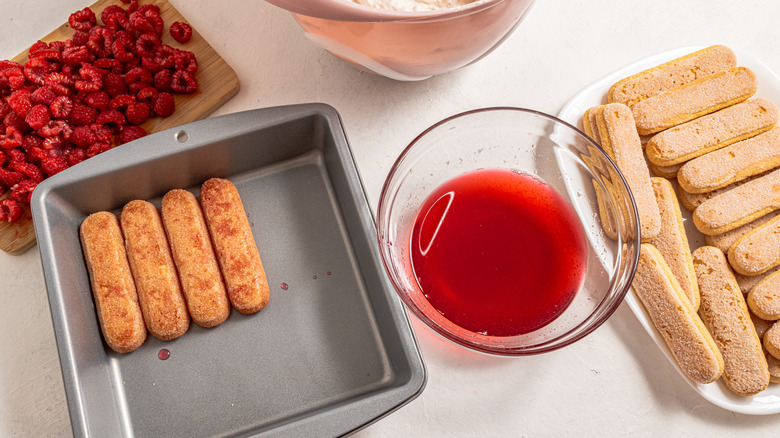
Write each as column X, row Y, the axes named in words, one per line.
column 217, row 83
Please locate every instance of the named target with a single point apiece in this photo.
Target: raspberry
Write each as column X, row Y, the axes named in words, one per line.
column 114, row 85
column 164, row 104
column 11, row 139
column 13, row 120
column 83, row 136
column 4, row 109
column 52, row 128
column 98, row 100
column 114, row 17
column 107, row 63
column 120, row 52
column 31, row 170
column 31, row 141
column 102, row 133
column 146, row 20
column 38, row 116
column 53, row 145
column 75, row 156
column 181, row 32
column 164, row 56
column 133, row 6
column 100, row 40
column 10, row 210
column 53, row 165
column 59, row 82
column 137, row 113
column 20, row 102
column 111, row 118
column 121, row 102
column 37, row 47
column 184, row 60
column 130, row 133
column 147, row 95
column 82, row 115
column 80, row 39
column 91, row 79
column 44, row 95
column 9, row 178
column 36, row 154
column 162, row 80
column 82, row 20
column 96, row 148
column 12, row 78
column 183, row 82
column 14, row 156
column 61, row 107
column 138, row 78
column 147, row 44
column 151, row 65
column 22, row 191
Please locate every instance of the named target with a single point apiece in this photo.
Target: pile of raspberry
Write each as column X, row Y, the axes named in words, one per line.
column 77, row 98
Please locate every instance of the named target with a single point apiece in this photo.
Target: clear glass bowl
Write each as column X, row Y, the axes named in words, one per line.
column 408, row 46
column 536, row 144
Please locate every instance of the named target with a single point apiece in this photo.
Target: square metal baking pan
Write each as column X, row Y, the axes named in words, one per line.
column 331, row 353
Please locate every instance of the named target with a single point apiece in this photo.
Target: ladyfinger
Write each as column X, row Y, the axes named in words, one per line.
column 692, row 200
column 239, row 259
column 116, row 300
column 156, row 280
column 724, row 241
column 772, row 340
column 684, row 333
column 731, row 164
column 617, row 129
column 672, row 242
column 764, row 298
column 668, row 172
column 740, row 205
column 748, row 282
column 711, row 132
column 672, row 74
column 726, row 316
column 758, row 250
column 193, row 254
column 694, row 99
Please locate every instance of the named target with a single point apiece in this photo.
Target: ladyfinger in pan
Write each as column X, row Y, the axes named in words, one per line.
column 694, row 99
column 193, row 254
column 671, row 74
column 726, row 316
column 237, row 253
column 681, row 328
column 156, row 279
column 116, row 300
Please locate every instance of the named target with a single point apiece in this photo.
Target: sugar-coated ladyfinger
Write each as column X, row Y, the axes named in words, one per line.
column 668, row 172
column 726, row 316
column 116, row 300
column 156, row 279
column 671, row 74
column 724, row 241
column 681, row 328
column 692, row 200
column 758, row 250
column 617, row 129
column 694, row 99
column 672, row 242
column 740, row 205
column 712, row 132
column 772, row 340
column 731, row 164
column 193, row 254
column 239, row 259
column 764, row 298
column 748, row 282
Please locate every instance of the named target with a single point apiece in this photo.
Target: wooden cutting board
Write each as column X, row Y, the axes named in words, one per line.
column 217, row 83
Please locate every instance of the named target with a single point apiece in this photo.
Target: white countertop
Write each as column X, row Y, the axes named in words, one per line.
column 615, row 381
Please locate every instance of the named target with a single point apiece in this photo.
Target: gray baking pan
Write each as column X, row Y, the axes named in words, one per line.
column 331, row 353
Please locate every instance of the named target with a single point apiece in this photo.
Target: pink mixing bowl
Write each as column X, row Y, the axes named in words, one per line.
column 407, row 46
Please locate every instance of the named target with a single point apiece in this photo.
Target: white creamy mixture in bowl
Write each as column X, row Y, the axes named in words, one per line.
column 415, row 5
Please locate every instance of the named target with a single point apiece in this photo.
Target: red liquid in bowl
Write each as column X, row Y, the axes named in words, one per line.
column 498, row 252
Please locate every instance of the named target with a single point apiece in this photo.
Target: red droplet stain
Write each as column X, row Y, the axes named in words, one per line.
column 328, row 272
column 315, row 277
column 164, row 354
column 284, row 286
